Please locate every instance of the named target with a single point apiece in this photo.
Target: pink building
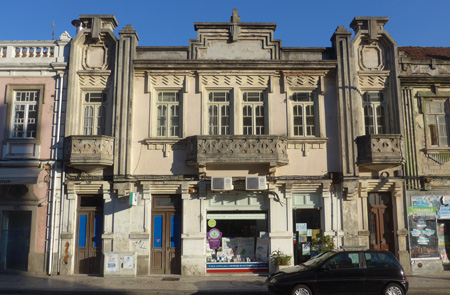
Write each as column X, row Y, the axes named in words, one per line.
column 32, row 95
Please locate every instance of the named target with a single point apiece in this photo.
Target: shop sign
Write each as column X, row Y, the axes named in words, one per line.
column 231, row 216
column 422, row 210
column 212, row 223
column 214, row 237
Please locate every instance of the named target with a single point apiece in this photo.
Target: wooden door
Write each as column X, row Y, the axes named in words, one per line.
column 88, row 253
column 381, row 225
column 166, row 238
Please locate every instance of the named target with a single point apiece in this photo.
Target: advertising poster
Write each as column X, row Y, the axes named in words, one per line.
column 423, row 236
column 262, row 249
column 439, row 202
column 229, row 246
column 246, row 247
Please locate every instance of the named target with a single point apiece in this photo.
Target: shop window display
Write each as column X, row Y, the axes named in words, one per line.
column 244, row 244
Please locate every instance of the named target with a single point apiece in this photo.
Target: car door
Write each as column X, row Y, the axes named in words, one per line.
column 341, row 274
column 381, row 268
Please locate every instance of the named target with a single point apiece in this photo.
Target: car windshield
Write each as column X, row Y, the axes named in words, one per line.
column 318, row 259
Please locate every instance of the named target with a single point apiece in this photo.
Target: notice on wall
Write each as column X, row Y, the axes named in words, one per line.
column 302, row 228
column 423, row 236
column 111, row 263
column 262, row 249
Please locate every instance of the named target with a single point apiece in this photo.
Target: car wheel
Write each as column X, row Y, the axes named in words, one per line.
column 301, row 290
column 393, row 289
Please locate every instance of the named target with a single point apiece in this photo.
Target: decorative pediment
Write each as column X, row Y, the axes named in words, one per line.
column 235, row 41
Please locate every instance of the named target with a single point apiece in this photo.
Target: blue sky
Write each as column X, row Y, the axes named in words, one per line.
column 171, row 22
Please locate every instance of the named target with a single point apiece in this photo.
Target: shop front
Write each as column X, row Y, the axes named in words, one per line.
column 237, row 233
column 307, row 218
column 429, row 228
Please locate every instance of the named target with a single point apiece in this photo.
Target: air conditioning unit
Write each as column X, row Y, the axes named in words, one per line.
column 255, row 183
column 222, row 184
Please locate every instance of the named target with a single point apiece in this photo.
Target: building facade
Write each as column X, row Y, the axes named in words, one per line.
column 424, row 75
column 207, row 158
column 32, row 90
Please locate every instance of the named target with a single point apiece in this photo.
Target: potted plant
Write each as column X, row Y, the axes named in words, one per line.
column 279, row 258
column 322, row 244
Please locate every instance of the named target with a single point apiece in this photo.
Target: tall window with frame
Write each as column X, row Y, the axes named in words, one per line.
column 303, row 114
column 219, row 113
column 437, row 122
column 375, row 119
column 94, row 113
column 168, row 118
column 25, row 117
column 253, row 113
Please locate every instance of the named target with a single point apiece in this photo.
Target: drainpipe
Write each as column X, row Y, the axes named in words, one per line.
column 56, row 171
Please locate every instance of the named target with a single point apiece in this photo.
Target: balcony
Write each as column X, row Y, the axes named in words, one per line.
column 237, row 149
column 380, row 151
column 89, row 152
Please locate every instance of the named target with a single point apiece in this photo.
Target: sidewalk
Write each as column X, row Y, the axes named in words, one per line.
column 248, row 284
column 76, row 284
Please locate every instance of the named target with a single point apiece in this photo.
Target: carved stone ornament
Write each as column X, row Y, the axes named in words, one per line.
column 371, row 57
column 228, row 80
column 96, row 56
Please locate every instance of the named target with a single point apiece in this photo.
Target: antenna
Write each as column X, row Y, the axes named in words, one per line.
column 53, row 30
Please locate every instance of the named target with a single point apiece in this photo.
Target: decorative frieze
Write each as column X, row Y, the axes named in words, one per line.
column 374, row 81
column 303, row 81
column 239, row 80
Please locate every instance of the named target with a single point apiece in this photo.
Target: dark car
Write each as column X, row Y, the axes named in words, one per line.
column 342, row 272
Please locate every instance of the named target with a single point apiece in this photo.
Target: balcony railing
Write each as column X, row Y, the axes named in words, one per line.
column 380, row 151
column 20, row 52
column 89, row 152
column 237, row 149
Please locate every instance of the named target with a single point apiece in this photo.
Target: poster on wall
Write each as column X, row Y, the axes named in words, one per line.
column 441, row 203
column 111, row 263
column 423, row 236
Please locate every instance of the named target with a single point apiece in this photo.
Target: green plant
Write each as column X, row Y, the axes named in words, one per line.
column 322, row 243
column 279, row 258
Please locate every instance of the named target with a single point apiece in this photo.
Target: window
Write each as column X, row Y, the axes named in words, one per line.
column 437, row 123
column 253, row 113
column 25, row 115
column 219, row 113
column 303, row 114
column 374, row 113
column 168, row 114
column 94, row 113
column 343, row 261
